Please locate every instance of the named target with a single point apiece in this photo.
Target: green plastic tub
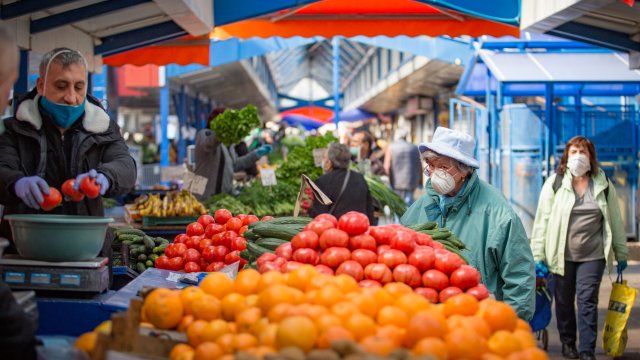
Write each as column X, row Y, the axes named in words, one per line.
column 58, row 237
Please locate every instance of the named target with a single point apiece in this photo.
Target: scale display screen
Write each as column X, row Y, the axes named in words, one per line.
column 14, row 277
column 40, row 278
column 69, row 280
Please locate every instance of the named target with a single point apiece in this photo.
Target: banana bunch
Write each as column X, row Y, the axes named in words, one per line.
column 173, row 204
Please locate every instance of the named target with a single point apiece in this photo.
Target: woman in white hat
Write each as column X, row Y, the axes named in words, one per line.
column 479, row 215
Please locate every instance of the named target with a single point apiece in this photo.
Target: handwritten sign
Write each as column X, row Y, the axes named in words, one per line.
column 195, row 184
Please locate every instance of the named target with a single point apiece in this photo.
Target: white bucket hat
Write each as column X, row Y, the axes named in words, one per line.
column 453, row 144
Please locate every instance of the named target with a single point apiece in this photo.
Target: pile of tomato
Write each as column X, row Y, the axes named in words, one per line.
column 209, row 244
column 377, row 255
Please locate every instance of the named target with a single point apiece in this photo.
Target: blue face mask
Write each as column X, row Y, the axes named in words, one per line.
column 63, row 115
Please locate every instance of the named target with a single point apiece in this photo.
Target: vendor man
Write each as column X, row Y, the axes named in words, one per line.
column 59, row 132
column 479, row 215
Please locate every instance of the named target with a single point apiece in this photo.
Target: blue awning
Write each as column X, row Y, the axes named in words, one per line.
column 306, row 122
column 504, row 11
column 352, row 115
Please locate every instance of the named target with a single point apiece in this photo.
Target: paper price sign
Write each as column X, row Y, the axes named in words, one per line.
column 195, row 183
column 268, row 176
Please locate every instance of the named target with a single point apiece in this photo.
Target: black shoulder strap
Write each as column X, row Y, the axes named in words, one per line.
column 557, row 182
column 344, row 187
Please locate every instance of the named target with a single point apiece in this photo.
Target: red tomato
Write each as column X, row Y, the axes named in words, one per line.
column 324, row 269
column 180, row 249
column 392, row 258
column 334, row 256
column 423, row 259
column 195, row 229
column 289, row 266
column 162, row 262
column 203, row 264
column 382, row 248
column 369, row 283
column 207, row 254
column 269, row 266
column 227, row 238
column 407, row 274
column 193, row 242
column 447, row 262
column 192, row 255
column 216, row 266
column 404, row 241
column 170, row 251
column 306, row 256
column 205, row 220
column 233, row 257
column 354, row 223
column 465, row 277
column 480, row 292
column 241, row 216
column 363, row 241
column 71, row 193
column 191, row 266
column 382, row 234
column 305, row 239
column 449, row 292
column 175, row 264
column 319, row 226
column 243, row 229
column 239, row 243
column 364, row 257
column 250, row 219
column 378, row 272
column 428, row 293
column 234, row 224
column 423, row 239
column 180, row 238
column 437, row 245
column 204, row 243
column 52, row 200
column 280, row 261
column 216, row 240
column 333, row 238
column 352, row 269
column 265, row 257
column 219, row 253
column 89, row 187
column 213, row 229
column 435, row 279
column 285, row 251
column 265, row 218
column 327, row 217
column 222, row 216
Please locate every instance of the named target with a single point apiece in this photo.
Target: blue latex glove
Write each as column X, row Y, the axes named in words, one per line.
column 264, row 150
column 100, row 180
column 29, row 189
column 622, row 264
column 541, row 268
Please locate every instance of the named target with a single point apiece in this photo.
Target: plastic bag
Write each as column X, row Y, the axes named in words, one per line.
column 614, row 336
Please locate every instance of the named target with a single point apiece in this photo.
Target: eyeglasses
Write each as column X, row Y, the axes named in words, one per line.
column 428, row 168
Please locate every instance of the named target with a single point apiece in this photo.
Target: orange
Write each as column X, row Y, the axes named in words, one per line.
column 392, row 315
column 267, row 337
column 185, row 322
column 463, row 304
column 206, row 307
column 218, row 328
column 328, row 296
column 299, row 296
column 427, row 323
column 525, row 338
column 523, row 325
column 188, row 295
column 464, row 344
column 246, row 319
column 247, row 282
column 245, row 342
column 377, row 345
column 431, row 346
column 261, row 351
column 251, row 300
column 344, row 309
column 412, row 303
column 279, row 312
column 346, row 283
column 217, row 284
column 299, row 277
column 478, row 325
column 327, row 321
column 208, row 351
column 332, row 334
column 197, row 332
column 319, row 281
column 360, row 326
column 500, row 316
column 164, row 309
column 529, row 354
column 227, row 343
column 395, row 333
column 397, row 288
column 381, row 296
column 490, row 356
column 231, row 305
column 316, row 311
column 367, row 304
column 181, row 352
column 87, row 342
column 503, row 343
column 298, row 331
column 274, row 295
column 269, row 279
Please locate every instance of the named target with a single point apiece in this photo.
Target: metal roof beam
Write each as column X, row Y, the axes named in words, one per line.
column 594, row 35
column 79, row 14
column 26, row 7
column 140, row 37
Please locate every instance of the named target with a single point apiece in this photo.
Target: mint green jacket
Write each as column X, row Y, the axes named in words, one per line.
column 549, row 235
column 482, row 218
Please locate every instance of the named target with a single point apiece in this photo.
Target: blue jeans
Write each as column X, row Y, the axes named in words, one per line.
column 581, row 280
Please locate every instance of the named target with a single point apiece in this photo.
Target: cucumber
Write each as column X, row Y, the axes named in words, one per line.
column 270, row 243
column 140, row 267
column 160, row 241
column 250, row 235
column 284, row 232
column 429, row 225
column 153, row 257
column 142, row 257
column 148, row 264
column 129, row 231
column 128, row 242
column 130, row 237
column 246, row 255
column 136, row 250
column 160, row 249
column 256, row 250
column 148, row 243
column 289, row 220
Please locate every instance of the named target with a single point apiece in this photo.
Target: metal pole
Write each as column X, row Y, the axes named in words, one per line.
column 548, row 114
column 21, row 86
column 164, row 120
column 182, row 121
column 336, row 79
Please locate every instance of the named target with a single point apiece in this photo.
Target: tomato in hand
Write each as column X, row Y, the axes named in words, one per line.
column 364, row 257
column 333, row 238
column 407, row 274
column 423, row 259
column 195, row 229
column 285, row 251
column 448, row 293
column 192, row 255
column 162, row 262
column 52, row 200
column 363, row 241
column 306, row 256
column 176, row 263
column 205, row 220
column 305, row 239
column 327, row 217
column 404, row 241
column 319, row 226
column 465, row 277
column 435, row 279
column 378, row 272
column 382, row 234
column 334, row 256
column 71, row 193
column 89, row 187
column 222, row 216
column 352, row 269
column 354, row 223
column 191, row 266
column 429, row 293
column 392, row 258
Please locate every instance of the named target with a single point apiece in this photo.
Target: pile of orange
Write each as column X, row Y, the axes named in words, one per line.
column 262, row 313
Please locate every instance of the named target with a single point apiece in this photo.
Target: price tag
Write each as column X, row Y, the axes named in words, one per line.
column 268, row 176
column 195, row 184
column 318, row 156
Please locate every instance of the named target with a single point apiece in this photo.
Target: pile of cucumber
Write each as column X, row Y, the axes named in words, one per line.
column 442, row 235
column 143, row 249
column 266, row 236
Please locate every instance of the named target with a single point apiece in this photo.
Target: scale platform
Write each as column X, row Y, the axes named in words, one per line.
column 80, row 276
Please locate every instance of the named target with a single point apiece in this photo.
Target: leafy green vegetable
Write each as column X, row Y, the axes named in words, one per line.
column 234, row 125
column 300, row 160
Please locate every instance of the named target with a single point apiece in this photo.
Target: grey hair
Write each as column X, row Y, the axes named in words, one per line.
column 339, row 155
column 63, row 56
column 430, row 156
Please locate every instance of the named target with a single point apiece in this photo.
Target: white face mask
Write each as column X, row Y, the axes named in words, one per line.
column 442, row 182
column 578, row 164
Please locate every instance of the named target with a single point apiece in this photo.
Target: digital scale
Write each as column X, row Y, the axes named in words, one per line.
column 77, row 276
